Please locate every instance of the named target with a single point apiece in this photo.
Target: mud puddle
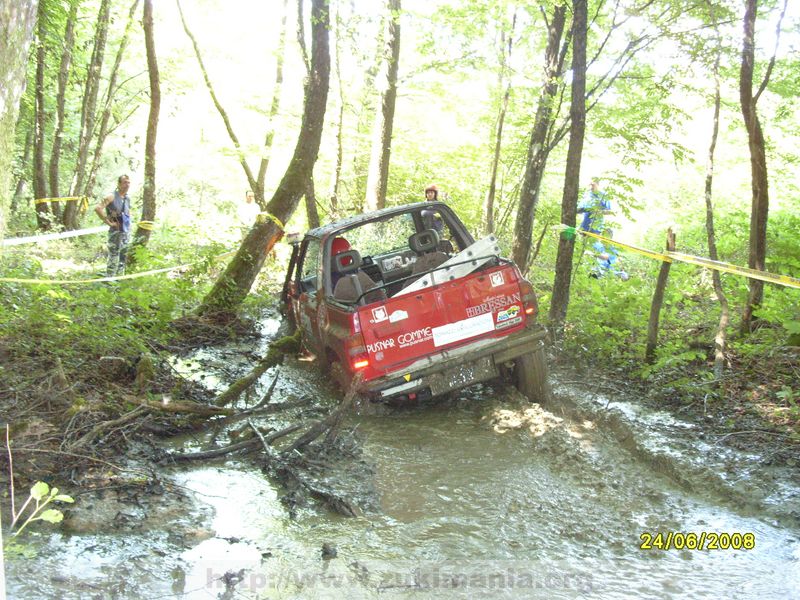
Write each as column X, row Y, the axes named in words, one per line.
column 479, row 496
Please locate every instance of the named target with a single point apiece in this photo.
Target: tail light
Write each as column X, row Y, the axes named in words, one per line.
column 359, row 359
column 529, row 303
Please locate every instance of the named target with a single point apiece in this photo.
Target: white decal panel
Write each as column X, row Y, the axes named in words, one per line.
column 462, row 330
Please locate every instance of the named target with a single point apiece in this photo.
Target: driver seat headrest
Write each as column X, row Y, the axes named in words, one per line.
column 346, row 262
column 424, row 241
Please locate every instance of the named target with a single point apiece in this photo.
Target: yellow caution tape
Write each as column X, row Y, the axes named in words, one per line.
column 102, row 279
column 84, row 199
column 146, row 225
column 262, row 216
column 784, row 280
column 707, row 263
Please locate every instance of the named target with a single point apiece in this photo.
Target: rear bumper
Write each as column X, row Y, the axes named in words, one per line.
column 453, row 369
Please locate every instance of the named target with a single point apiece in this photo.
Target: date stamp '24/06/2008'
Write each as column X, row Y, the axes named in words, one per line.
column 703, row 540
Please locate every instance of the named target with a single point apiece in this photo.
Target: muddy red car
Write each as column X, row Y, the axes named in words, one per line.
column 407, row 298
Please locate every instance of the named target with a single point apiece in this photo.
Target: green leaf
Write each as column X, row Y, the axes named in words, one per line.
column 792, row 326
column 64, row 498
column 39, row 490
column 51, row 515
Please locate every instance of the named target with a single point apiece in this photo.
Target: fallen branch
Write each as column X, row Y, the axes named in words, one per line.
column 331, row 422
column 248, row 444
column 188, row 407
column 108, row 425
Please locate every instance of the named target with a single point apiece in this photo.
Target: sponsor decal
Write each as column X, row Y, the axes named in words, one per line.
column 497, row 279
column 402, row 340
column 509, row 323
column 509, row 313
column 398, row 315
column 379, row 315
column 462, row 330
column 492, row 304
column 407, row 376
column 380, row 346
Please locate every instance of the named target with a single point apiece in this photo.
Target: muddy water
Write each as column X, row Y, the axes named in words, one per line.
column 478, row 496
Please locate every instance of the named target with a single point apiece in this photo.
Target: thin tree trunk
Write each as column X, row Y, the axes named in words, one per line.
column 149, row 188
column 364, row 126
column 39, row 171
column 538, row 148
column 758, row 160
column 569, row 203
column 266, row 153
column 658, row 300
column 105, row 117
column 505, row 56
column 88, row 112
column 720, row 339
column 19, row 189
column 378, row 172
column 251, row 180
column 235, row 282
column 17, row 21
column 63, row 78
column 312, row 214
column 337, row 170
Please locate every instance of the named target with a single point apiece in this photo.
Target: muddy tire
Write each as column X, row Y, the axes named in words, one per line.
column 530, row 375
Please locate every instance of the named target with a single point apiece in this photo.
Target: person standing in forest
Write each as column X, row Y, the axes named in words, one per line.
column 115, row 211
column 431, row 218
column 248, row 211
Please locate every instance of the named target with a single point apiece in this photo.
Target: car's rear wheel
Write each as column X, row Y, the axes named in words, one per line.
column 530, row 375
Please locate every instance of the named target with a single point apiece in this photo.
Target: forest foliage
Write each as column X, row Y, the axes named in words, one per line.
column 649, row 105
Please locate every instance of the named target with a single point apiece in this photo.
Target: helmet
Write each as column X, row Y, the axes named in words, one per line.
column 338, row 245
column 432, row 188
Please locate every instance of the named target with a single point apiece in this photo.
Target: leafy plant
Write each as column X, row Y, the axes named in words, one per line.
column 41, row 495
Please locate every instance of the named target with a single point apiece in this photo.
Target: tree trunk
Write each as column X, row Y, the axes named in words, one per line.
column 538, row 148
column 19, row 189
column 105, row 117
column 505, row 56
column 312, row 214
column 88, row 112
column 569, row 201
column 149, row 188
column 658, row 300
column 758, row 166
column 63, row 78
column 251, row 180
column 378, row 173
column 720, row 339
column 273, row 113
column 337, row 170
column 40, row 194
column 17, row 20
column 235, row 282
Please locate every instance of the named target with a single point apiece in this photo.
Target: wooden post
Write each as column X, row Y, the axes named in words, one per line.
column 658, row 299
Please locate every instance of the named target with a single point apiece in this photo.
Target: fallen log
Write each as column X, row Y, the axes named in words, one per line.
column 274, row 357
column 194, row 408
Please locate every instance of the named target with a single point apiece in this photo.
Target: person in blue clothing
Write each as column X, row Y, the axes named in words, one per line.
column 115, row 211
column 594, row 205
column 607, row 260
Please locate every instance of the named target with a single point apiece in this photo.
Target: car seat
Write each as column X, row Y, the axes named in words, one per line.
column 353, row 282
column 426, row 245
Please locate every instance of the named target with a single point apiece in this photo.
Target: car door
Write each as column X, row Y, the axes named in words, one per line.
column 309, row 285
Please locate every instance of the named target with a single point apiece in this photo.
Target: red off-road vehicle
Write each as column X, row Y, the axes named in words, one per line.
column 409, row 299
